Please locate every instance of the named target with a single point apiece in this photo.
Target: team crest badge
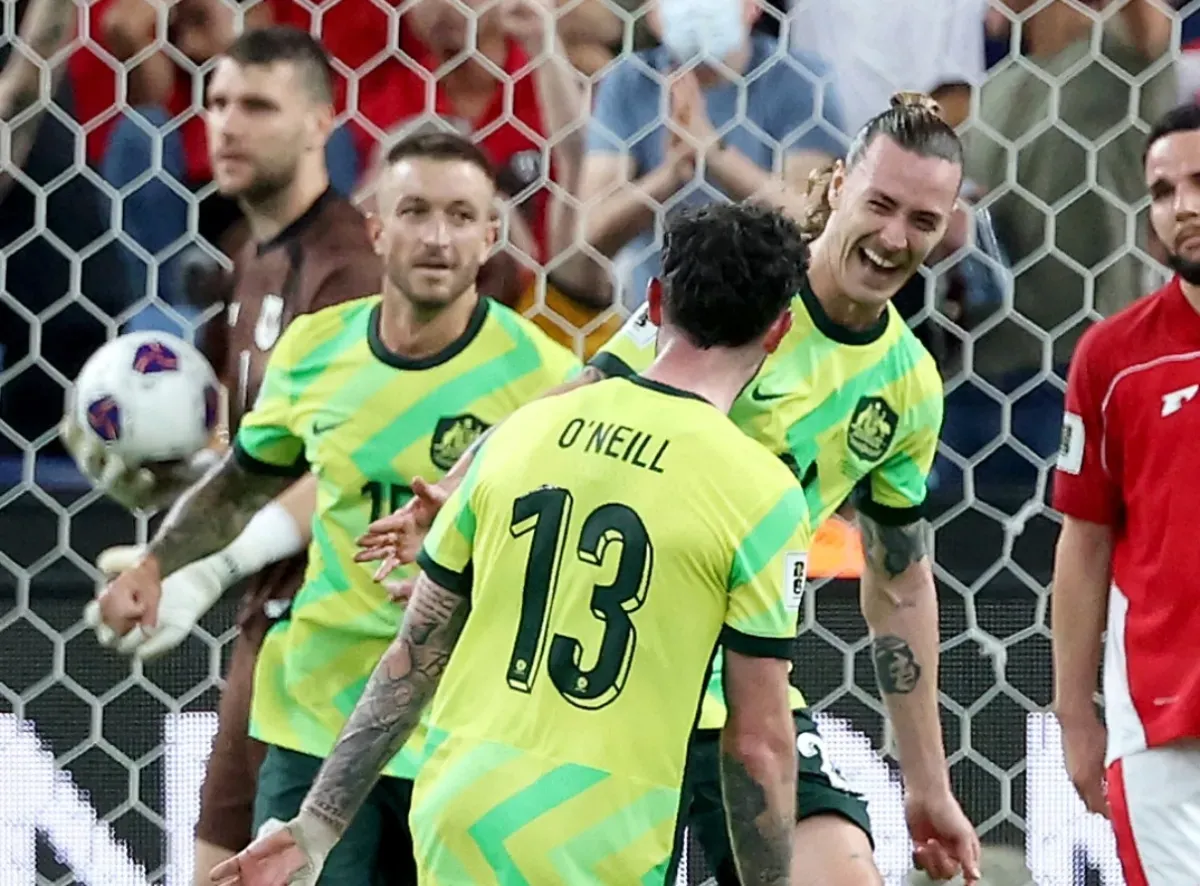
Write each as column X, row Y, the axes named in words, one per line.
column 872, row 427
column 451, row 438
column 270, row 323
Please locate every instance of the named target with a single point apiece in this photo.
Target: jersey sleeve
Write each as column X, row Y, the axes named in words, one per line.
column 1083, row 487
column 894, row 492
column 267, row 440
column 631, row 349
column 767, row 579
column 446, row 556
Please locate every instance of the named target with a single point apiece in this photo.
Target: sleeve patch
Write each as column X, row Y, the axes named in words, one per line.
column 1070, row 449
column 640, row 330
column 795, row 577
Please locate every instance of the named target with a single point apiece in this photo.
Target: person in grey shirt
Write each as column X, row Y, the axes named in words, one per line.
column 713, row 114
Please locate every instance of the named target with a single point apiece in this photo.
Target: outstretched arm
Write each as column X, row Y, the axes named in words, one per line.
column 401, row 686
column 46, row 28
column 899, row 603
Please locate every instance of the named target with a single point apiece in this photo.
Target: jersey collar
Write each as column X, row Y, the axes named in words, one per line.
column 669, row 390
column 833, row 330
column 456, row 347
column 296, row 228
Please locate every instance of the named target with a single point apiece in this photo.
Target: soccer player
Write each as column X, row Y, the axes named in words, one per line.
column 270, row 113
column 1127, row 557
column 548, row 612
column 852, row 402
column 368, row 394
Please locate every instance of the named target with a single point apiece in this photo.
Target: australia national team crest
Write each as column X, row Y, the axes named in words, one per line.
column 872, row 427
column 452, row 436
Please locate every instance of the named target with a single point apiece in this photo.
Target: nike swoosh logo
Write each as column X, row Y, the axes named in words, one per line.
column 319, row 429
column 757, row 395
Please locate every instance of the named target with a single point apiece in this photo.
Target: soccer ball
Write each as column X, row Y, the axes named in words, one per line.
column 148, row 397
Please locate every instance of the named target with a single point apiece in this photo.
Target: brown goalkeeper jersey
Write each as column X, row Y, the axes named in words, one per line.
column 323, row 258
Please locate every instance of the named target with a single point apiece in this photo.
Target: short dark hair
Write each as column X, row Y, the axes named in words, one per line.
column 1184, row 118
column 445, row 146
column 282, row 43
column 913, row 121
column 729, row 270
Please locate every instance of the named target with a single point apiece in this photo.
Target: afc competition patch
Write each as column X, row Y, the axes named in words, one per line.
column 639, row 329
column 795, row 577
column 871, row 429
column 270, row 323
column 452, row 436
column 1070, row 445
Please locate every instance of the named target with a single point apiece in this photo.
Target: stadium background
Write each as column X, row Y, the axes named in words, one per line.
column 100, row 763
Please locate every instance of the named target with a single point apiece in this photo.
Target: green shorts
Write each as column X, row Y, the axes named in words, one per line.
column 376, row 849
column 819, row 791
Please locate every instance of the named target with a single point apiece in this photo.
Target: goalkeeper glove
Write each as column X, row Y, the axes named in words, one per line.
column 189, row 592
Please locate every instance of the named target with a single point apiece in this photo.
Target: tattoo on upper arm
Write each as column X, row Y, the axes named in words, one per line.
column 762, row 842
column 890, row 550
column 391, row 705
column 213, row 512
column 896, row 667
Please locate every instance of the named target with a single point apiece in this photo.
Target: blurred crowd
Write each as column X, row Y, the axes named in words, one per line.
column 108, row 217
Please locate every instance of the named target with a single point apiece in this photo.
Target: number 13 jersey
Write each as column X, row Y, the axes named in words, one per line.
column 587, row 524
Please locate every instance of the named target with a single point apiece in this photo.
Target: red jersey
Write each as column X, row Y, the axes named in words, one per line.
column 1128, row 460
column 396, row 87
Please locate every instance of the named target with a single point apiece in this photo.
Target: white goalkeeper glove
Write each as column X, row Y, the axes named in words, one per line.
column 190, row 591
column 135, row 487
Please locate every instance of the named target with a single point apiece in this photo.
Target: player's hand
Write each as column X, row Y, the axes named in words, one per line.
column 135, row 487
column 396, row 539
column 944, row 841
column 281, row 855
column 1084, row 741
column 128, row 601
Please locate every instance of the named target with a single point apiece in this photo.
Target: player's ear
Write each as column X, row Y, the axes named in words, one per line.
column 837, row 182
column 375, row 232
column 777, row 330
column 654, row 301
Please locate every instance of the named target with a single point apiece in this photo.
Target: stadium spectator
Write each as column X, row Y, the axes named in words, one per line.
column 1080, row 100
column 869, row 47
column 37, row 272
column 741, row 109
column 159, row 142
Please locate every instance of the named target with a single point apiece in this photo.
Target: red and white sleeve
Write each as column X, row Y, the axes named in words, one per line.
column 1084, row 488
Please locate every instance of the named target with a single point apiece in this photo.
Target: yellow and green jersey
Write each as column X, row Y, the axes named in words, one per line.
column 366, row 421
column 586, row 526
column 854, row 414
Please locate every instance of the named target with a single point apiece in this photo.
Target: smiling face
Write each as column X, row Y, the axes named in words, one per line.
column 1173, row 179
column 889, row 211
column 435, row 227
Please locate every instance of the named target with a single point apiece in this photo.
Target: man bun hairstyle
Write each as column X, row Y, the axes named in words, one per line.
column 913, row 121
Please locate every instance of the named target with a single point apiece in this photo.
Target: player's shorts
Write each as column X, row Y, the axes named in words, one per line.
column 227, row 796
column 1154, row 797
column 819, row 791
column 376, row 850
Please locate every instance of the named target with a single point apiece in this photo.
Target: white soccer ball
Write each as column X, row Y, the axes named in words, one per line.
column 149, row 397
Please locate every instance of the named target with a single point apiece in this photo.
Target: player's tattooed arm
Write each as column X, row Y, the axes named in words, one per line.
column 899, row 603
column 212, row 513
column 45, row 29
column 390, row 707
column 761, row 836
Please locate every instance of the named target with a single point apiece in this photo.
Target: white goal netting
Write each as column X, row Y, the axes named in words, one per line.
column 103, row 764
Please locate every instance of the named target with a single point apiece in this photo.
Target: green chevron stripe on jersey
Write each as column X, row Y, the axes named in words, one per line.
column 576, row 860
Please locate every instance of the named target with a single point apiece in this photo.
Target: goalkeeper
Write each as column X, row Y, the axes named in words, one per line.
column 852, row 402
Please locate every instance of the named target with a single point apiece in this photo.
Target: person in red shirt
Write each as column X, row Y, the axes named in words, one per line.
column 1127, row 560
column 160, row 103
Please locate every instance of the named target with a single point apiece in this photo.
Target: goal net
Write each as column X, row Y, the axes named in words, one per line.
column 103, row 761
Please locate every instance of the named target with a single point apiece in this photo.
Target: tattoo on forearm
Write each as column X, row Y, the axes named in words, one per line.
column 401, row 686
column 212, row 513
column 896, row 665
column 889, row 550
column 761, row 837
